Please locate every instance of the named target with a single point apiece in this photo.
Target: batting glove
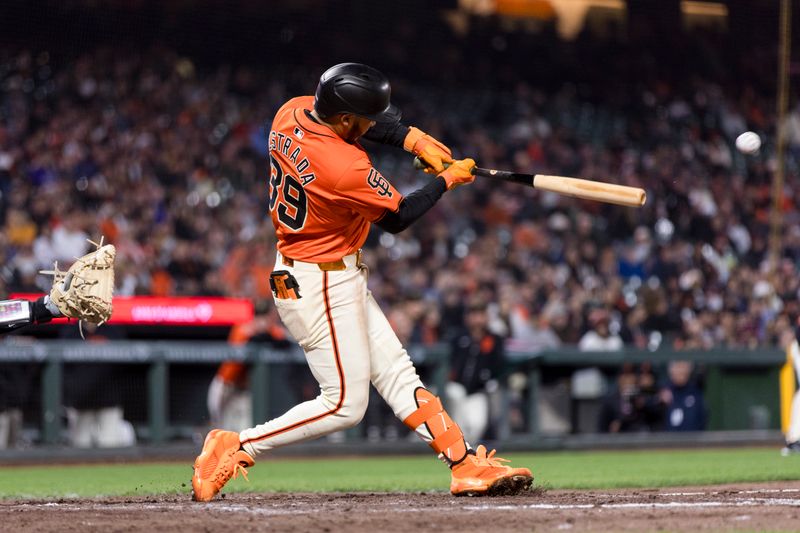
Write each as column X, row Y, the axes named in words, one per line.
column 458, row 173
column 432, row 152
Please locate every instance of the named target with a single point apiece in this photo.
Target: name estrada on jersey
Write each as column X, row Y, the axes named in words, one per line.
column 323, row 191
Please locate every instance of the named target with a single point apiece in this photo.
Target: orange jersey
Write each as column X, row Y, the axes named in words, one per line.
column 323, row 191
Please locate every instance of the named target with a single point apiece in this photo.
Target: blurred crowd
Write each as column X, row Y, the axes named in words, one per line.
column 164, row 155
column 640, row 401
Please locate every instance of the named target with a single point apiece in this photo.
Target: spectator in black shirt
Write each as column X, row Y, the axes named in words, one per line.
column 476, row 361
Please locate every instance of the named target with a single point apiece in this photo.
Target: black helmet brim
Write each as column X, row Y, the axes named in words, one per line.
column 391, row 115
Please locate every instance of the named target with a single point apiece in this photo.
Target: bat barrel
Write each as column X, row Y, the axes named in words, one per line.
column 579, row 188
column 592, row 190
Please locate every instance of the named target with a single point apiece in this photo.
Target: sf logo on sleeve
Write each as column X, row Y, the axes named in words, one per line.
column 379, row 183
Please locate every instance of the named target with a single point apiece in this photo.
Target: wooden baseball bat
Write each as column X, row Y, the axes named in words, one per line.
column 610, row 193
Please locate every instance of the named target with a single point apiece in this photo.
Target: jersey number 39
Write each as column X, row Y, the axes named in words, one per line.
column 287, row 195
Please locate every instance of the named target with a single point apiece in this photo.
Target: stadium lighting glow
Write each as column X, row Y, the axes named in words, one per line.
column 706, row 9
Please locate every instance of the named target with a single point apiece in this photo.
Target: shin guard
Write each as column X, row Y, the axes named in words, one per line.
column 446, row 437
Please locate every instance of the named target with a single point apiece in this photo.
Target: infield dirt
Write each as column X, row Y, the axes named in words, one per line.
column 749, row 507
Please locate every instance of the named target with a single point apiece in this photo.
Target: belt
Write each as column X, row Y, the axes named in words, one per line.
column 326, row 266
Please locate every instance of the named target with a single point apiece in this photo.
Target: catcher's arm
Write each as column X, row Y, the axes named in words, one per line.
column 86, row 289
column 15, row 314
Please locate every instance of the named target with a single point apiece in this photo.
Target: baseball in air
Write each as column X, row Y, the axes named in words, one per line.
column 748, row 142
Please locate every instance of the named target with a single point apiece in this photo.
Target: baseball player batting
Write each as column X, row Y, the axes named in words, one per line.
column 323, row 195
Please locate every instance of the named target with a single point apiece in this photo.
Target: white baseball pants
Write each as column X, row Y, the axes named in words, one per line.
column 793, row 433
column 229, row 407
column 348, row 343
column 469, row 411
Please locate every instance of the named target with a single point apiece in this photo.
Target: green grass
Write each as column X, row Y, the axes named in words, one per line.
column 556, row 470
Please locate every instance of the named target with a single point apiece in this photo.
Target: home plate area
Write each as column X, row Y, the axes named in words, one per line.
column 748, row 507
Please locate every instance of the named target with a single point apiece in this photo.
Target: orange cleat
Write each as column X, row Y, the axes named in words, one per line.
column 220, row 460
column 484, row 474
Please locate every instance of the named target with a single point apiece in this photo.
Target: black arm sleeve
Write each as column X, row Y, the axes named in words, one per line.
column 39, row 312
column 391, row 133
column 413, row 206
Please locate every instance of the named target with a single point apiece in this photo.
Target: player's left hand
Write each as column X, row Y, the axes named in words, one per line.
column 431, row 151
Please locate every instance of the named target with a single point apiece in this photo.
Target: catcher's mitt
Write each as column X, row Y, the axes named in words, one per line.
column 85, row 290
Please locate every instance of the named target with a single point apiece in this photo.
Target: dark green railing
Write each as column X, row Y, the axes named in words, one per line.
column 734, row 376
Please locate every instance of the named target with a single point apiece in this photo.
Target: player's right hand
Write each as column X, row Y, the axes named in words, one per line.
column 459, row 173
